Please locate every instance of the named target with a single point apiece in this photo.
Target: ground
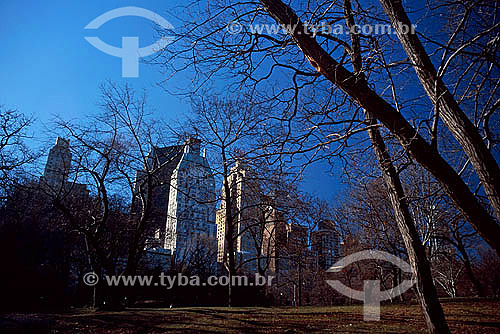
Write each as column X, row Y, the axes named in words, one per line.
column 463, row 317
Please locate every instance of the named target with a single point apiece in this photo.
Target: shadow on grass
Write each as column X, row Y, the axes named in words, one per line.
column 394, row 319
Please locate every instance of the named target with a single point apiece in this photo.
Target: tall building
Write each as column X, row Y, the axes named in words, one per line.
column 246, row 212
column 57, row 168
column 274, row 238
column 190, row 224
column 161, row 162
column 296, row 245
column 325, row 244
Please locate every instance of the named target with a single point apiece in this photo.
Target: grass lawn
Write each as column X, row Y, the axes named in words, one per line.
column 463, row 317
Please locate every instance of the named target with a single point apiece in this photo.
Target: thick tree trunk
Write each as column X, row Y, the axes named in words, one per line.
column 455, row 119
column 412, row 142
column 427, row 294
column 136, row 245
column 229, row 229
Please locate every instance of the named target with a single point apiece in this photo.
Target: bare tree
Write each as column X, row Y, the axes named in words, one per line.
column 464, row 239
column 126, row 114
column 488, row 272
column 14, row 153
column 426, row 290
column 209, row 52
column 110, row 156
column 445, row 104
column 255, row 57
column 414, row 144
column 447, row 272
column 225, row 126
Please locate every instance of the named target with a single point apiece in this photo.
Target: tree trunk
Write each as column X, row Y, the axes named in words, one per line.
column 411, row 141
column 455, row 119
column 426, row 291
column 427, row 294
column 468, row 269
column 229, row 229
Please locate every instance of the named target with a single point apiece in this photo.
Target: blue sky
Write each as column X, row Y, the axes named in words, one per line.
column 49, row 69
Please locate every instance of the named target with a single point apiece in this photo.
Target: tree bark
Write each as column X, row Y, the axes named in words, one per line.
column 427, row 294
column 455, row 119
column 411, row 141
column 470, row 272
column 229, row 227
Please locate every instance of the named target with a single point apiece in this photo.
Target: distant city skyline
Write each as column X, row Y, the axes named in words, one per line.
column 53, row 71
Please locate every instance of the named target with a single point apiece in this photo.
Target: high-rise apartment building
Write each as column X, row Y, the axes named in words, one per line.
column 325, row 244
column 247, row 217
column 274, row 238
column 161, row 163
column 190, row 223
column 57, row 170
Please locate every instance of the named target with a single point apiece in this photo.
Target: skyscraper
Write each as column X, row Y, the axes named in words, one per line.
column 56, row 172
column 58, row 165
column 161, row 162
column 325, row 244
column 190, row 223
column 274, row 238
column 246, row 211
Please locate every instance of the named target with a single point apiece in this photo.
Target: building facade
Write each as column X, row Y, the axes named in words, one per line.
column 247, row 218
column 274, row 237
column 161, row 163
column 56, row 172
column 325, row 244
column 57, row 168
column 190, row 223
